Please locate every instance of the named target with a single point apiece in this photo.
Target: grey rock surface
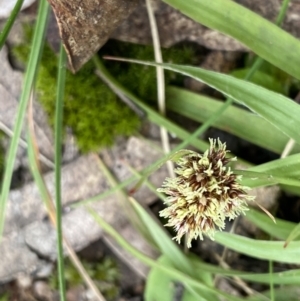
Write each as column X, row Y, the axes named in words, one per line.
column 28, row 227
column 10, row 89
column 174, row 27
column 6, row 6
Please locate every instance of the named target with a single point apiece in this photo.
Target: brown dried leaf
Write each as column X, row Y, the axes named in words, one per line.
column 85, row 25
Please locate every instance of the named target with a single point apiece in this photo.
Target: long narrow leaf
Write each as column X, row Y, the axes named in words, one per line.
column 286, row 277
column 234, row 120
column 261, row 36
column 9, row 23
column 290, row 293
column 295, row 233
column 152, row 115
column 58, row 146
column 267, row 250
column 287, row 168
column 165, row 243
column 256, row 179
column 47, row 199
column 171, row 251
column 160, row 286
column 174, row 273
column 279, row 230
column 28, row 83
column 279, row 110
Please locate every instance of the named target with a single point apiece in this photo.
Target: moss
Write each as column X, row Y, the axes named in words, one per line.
column 141, row 80
column 91, row 109
column 287, row 83
column 4, row 297
column 93, row 112
column 104, row 273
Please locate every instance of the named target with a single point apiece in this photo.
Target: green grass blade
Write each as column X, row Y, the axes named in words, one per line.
column 288, row 168
column 295, row 233
column 159, row 119
column 174, row 273
column 9, row 23
column 262, row 79
column 160, row 286
column 288, row 293
column 171, row 250
column 261, row 36
column 282, row 12
column 151, row 114
column 286, row 277
column 27, row 87
column 163, row 241
column 280, row 230
column 267, row 250
column 234, row 120
column 256, row 179
column 279, row 110
column 58, row 147
column 35, row 171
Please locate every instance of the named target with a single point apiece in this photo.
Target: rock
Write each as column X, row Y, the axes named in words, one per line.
column 29, row 232
column 175, row 27
column 6, row 6
column 10, row 90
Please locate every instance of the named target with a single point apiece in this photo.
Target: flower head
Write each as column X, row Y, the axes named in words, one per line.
column 203, row 194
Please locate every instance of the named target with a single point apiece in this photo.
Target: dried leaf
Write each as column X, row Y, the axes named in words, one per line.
column 85, row 25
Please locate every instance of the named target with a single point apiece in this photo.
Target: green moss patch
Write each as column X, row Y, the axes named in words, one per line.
column 105, row 274
column 93, row 112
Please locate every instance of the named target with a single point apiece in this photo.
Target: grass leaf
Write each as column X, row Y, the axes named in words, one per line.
column 261, row 36
column 234, row 120
column 27, row 87
column 267, row 250
column 279, row 110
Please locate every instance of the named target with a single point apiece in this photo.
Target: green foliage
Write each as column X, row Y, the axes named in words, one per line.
column 2, row 155
column 105, row 274
column 141, row 80
column 260, row 78
column 160, row 286
column 272, row 77
column 93, row 112
column 4, row 297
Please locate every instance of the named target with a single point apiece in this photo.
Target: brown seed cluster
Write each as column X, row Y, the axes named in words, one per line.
column 203, row 194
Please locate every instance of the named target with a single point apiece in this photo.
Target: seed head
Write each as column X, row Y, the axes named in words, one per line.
column 203, row 194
